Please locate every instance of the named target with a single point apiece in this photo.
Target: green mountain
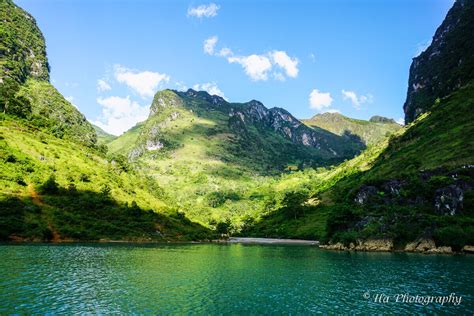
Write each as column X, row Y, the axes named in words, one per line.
column 370, row 132
column 247, row 135
column 25, row 90
column 208, row 152
column 238, row 168
column 446, row 65
column 418, row 184
column 103, row 137
column 55, row 182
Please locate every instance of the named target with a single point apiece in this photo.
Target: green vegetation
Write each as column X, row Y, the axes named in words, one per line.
column 22, row 46
column 446, row 65
column 56, row 189
column 233, row 168
column 370, row 132
column 208, row 163
column 401, row 176
column 103, row 137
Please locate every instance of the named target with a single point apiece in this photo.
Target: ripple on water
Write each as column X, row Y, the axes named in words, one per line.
column 222, row 279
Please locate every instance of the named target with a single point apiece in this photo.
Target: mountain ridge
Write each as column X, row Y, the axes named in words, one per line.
column 370, row 132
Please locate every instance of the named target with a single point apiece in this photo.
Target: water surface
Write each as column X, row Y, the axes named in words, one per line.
column 224, row 279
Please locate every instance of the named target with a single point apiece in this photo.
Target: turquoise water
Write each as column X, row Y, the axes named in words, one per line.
column 225, row 279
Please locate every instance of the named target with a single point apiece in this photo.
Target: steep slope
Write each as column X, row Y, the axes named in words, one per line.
column 102, row 136
column 246, row 134
column 370, row 132
column 207, row 152
column 446, row 65
column 416, row 185
column 55, row 184
column 57, row 189
column 25, row 90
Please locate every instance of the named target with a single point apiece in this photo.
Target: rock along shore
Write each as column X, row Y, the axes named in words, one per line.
column 426, row 246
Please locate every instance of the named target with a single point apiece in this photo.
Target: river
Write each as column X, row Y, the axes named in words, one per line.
column 213, row 279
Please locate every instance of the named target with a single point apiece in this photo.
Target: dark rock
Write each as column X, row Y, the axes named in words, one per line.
column 365, row 194
column 393, row 187
column 381, row 119
column 449, row 200
column 446, row 65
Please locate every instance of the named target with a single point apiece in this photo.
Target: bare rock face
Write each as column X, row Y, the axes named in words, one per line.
column 449, row 200
column 374, row 245
column 365, row 193
column 440, row 250
column 468, row 249
column 446, row 65
column 363, row 245
column 427, row 246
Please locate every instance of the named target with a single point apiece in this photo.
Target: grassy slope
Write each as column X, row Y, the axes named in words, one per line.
column 103, row 137
column 207, row 168
column 441, row 141
column 196, row 169
column 370, row 132
column 96, row 198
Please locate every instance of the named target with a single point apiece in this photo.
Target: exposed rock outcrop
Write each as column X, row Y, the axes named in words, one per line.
column 446, row 65
column 363, row 245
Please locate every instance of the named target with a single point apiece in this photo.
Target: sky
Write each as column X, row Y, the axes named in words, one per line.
column 109, row 57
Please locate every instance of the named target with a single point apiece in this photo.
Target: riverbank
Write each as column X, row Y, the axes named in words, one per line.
column 426, row 246
column 270, row 241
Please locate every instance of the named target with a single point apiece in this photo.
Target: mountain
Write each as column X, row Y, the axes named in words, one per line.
column 370, row 132
column 412, row 191
column 55, row 182
column 102, row 136
column 446, row 65
column 208, row 152
column 245, row 134
column 25, row 90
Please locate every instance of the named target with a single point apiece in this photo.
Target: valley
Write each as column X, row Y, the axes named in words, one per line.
column 201, row 167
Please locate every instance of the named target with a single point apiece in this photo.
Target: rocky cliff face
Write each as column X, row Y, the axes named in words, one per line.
column 250, row 132
column 446, row 65
column 25, row 90
column 23, row 49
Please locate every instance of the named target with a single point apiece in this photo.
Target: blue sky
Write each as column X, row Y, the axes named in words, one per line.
column 353, row 56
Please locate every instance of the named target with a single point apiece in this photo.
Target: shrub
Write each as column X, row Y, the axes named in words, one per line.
column 453, row 236
column 50, row 186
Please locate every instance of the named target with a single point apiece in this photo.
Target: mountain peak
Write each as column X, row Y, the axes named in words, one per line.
column 382, row 119
column 446, row 65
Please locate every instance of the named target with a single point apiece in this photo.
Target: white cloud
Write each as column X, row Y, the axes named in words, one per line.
column 224, row 52
column 290, row 65
column 356, row 100
column 145, row 83
column 210, row 87
column 209, row 45
column 319, row 100
column 312, row 57
column 71, row 100
column 255, row 66
column 208, row 11
column 401, row 121
column 119, row 114
column 102, row 85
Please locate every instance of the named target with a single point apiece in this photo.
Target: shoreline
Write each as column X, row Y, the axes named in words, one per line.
column 424, row 246
column 270, row 241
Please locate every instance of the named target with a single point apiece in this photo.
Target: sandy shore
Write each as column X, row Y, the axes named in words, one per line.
column 272, row 241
